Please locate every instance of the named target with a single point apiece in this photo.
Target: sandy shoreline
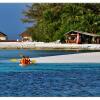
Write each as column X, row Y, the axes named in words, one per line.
column 93, row 57
column 50, row 46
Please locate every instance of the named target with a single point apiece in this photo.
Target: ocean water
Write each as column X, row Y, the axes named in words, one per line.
column 49, row 80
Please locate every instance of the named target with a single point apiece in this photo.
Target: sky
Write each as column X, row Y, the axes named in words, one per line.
column 10, row 19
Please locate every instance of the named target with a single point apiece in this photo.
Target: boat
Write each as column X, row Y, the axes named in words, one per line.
column 32, row 62
column 25, row 64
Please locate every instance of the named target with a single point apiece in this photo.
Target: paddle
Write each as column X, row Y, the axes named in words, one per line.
column 21, row 55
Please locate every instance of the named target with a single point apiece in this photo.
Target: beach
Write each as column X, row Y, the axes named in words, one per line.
column 48, row 46
column 92, row 57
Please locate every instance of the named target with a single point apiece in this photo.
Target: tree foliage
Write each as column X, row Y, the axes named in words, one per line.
column 52, row 21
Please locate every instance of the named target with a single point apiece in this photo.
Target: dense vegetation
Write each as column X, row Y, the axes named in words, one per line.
column 51, row 21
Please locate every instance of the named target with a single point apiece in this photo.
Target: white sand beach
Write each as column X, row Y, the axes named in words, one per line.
column 93, row 57
column 43, row 46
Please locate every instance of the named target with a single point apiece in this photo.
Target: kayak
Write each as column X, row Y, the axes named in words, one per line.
column 32, row 62
column 25, row 64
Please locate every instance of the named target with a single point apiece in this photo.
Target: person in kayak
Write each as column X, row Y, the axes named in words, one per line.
column 28, row 61
column 23, row 60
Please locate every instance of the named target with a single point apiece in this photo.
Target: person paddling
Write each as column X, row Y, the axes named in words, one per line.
column 28, row 61
column 23, row 60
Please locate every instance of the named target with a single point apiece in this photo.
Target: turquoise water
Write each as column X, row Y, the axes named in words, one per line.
column 14, row 67
column 47, row 79
column 8, row 54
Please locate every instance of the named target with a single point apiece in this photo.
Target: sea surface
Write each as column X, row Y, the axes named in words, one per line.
column 49, row 80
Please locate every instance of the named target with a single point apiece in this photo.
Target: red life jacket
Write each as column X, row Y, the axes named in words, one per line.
column 23, row 61
column 27, row 61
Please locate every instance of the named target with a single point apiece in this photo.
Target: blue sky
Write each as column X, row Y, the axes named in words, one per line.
column 10, row 19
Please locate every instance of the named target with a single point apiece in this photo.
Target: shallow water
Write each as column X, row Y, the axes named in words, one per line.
column 47, row 79
column 8, row 54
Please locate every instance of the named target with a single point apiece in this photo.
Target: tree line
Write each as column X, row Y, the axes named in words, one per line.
column 50, row 21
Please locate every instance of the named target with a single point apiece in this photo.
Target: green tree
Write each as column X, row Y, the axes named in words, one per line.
column 51, row 21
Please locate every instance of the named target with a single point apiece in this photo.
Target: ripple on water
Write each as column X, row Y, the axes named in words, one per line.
column 50, row 80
